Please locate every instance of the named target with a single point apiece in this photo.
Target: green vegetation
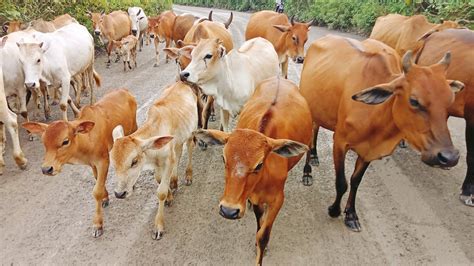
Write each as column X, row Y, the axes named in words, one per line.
column 352, row 15
column 27, row 10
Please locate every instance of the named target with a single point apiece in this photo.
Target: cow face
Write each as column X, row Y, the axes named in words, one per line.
column 136, row 14
column 156, row 30
column 181, row 55
column 31, row 58
column 128, row 155
column 245, row 159
column 206, row 62
column 60, row 142
column 295, row 37
column 420, row 101
column 97, row 19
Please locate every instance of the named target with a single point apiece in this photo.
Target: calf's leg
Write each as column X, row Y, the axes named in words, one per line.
column 163, row 193
column 189, row 166
column 263, row 234
column 100, row 196
column 157, row 51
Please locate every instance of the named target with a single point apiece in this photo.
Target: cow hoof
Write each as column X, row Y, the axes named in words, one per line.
column 55, row 102
column 188, row 182
column 168, row 203
column 467, row 200
column 307, row 180
column 202, row 145
column 105, row 203
column 334, row 211
column 352, row 222
column 156, row 65
column 157, row 234
column 212, row 118
column 98, row 232
column 403, row 144
column 314, row 160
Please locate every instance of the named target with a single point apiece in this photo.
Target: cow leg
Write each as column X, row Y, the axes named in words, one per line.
column 178, row 150
column 467, row 189
column 258, row 210
column 189, row 166
column 12, row 127
column 163, row 193
column 307, row 177
column 65, row 85
column 55, row 96
column 101, row 196
column 263, row 234
column 284, row 68
column 2, row 147
column 210, row 109
column 46, row 107
column 339, row 154
column 314, row 150
column 167, row 45
column 351, row 220
column 134, row 56
column 225, row 117
column 22, row 97
column 200, row 110
column 157, row 51
column 109, row 51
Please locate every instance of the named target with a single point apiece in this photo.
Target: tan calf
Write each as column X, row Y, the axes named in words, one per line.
column 87, row 141
column 127, row 49
column 159, row 142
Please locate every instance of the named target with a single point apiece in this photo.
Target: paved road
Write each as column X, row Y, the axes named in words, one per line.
column 409, row 212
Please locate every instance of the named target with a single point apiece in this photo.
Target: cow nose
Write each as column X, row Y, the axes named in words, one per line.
column 29, row 85
column 97, row 32
column 299, row 59
column 47, row 170
column 134, row 32
column 120, row 195
column 448, row 158
column 184, row 76
column 152, row 35
column 229, row 213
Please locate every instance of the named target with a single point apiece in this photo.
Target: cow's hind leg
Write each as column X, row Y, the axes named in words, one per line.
column 351, row 220
column 189, row 166
column 339, row 154
column 2, row 146
column 307, row 177
column 467, row 189
column 314, row 150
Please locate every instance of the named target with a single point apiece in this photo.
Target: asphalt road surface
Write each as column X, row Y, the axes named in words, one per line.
column 410, row 213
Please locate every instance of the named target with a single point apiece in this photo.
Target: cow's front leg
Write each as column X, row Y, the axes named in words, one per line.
column 2, row 147
column 100, row 196
column 23, row 105
column 65, row 85
column 263, row 234
column 109, row 51
column 189, row 166
column 178, row 150
column 12, row 127
column 46, row 107
column 284, row 68
column 164, row 193
column 157, row 51
column 225, row 120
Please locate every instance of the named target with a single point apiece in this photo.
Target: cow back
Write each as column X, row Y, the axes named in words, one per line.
column 261, row 25
column 210, row 30
column 182, row 25
column 117, row 25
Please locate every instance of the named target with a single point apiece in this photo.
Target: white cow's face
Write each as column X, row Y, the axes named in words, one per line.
column 207, row 61
column 136, row 14
column 31, row 58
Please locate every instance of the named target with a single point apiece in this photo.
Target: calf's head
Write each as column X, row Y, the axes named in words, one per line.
column 295, row 37
column 420, row 99
column 31, row 58
column 60, row 142
column 245, row 158
column 207, row 60
column 128, row 155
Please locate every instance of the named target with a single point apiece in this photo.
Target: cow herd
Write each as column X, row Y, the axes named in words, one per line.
column 401, row 84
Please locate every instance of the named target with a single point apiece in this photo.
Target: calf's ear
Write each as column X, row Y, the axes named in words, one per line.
column 287, row 148
column 84, row 127
column 456, row 85
column 172, row 52
column 118, row 132
column 34, row 127
column 212, row 137
column 282, row 28
column 374, row 95
column 155, row 142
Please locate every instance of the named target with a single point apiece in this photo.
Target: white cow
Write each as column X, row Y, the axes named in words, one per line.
column 8, row 119
column 139, row 23
column 56, row 57
column 231, row 78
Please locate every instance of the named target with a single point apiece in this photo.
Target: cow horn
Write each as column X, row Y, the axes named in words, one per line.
column 462, row 21
column 210, row 16
column 227, row 24
column 309, row 23
column 406, row 61
column 446, row 60
column 292, row 20
column 138, row 13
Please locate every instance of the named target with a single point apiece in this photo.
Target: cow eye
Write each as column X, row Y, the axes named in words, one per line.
column 65, row 142
column 37, row 61
column 294, row 38
column 208, row 56
column 134, row 162
column 258, row 167
column 414, row 103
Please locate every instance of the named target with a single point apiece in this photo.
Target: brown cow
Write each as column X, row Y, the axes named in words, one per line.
column 411, row 105
column 111, row 27
column 261, row 151
column 287, row 38
column 87, row 141
column 461, row 44
column 402, row 32
column 203, row 30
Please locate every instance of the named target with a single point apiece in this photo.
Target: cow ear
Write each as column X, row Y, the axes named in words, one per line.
column 287, row 148
column 118, row 132
column 212, row 137
column 172, row 52
column 3, row 41
column 374, row 95
column 221, row 50
column 282, row 28
column 180, row 44
column 34, row 127
column 155, row 142
column 456, row 85
column 5, row 27
column 84, row 127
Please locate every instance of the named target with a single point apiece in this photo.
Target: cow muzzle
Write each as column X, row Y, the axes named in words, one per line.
column 47, row 170
column 152, row 35
column 97, row 33
column 184, row 76
column 31, row 85
column 299, row 60
column 120, row 195
column 445, row 158
column 229, row 213
column 134, row 32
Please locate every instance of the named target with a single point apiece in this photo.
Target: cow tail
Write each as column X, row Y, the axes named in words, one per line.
column 96, row 78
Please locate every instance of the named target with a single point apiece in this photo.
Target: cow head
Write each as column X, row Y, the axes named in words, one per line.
column 245, row 159
column 206, row 62
column 295, row 37
column 12, row 26
column 420, row 99
column 155, row 29
column 60, row 142
column 128, row 155
column 136, row 14
column 31, row 58
column 97, row 19
column 181, row 55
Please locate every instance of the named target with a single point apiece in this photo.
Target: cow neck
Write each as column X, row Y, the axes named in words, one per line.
column 224, row 83
column 280, row 46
